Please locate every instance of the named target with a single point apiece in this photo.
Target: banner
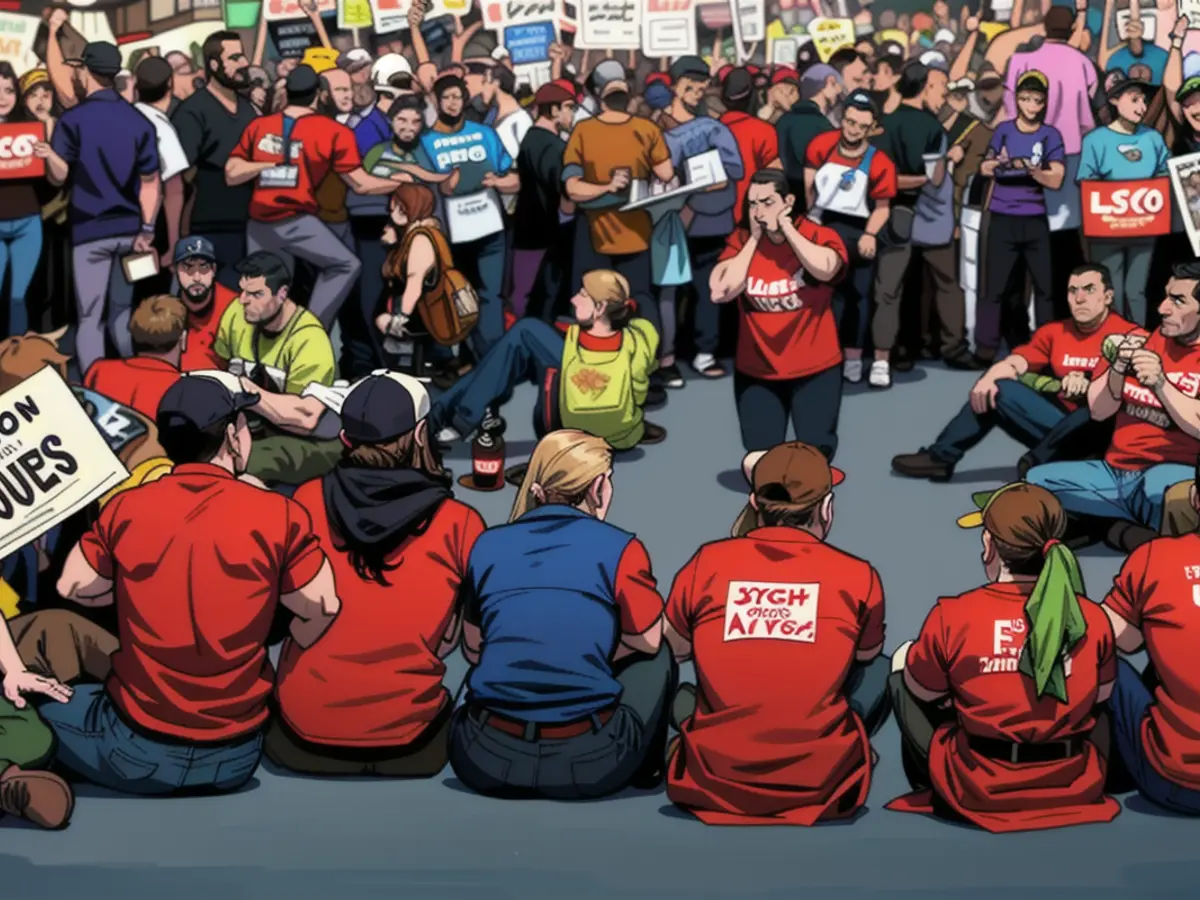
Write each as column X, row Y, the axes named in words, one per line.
column 609, row 25
column 499, row 14
column 390, row 15
column 529, row 42
column 830, row 35
column 283, row 10
column 54, row 460
column 354, row 14
column 1185, row 179
column 1124, row 209
column 669, row 28
column 16, row 40
column 291, row 39
column 17, row 140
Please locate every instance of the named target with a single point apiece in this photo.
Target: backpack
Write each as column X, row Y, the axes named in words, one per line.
column 449, row 306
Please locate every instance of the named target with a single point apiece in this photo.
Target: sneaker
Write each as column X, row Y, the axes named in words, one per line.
column 671, row 376
column 653, row 434
column 41, row 797
column 903, row 363
column 1024, row 464
column 921, row 465
column 881, row 374
column 706, row 364
column 448, row 435
column 852, row 370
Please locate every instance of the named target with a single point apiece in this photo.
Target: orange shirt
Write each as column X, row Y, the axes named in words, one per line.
column 1157, row 591
column 199, row 355
column 775, row 619
column 970, row 647
column 375, row 679
column 139, row 382
column 1059, row 348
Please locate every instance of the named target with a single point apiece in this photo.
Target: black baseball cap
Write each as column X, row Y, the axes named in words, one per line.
column 738, row 84
column 303, row 80
column 1122, row 83
column 861, row 100
column 383, row 406
column 196, row 403
column 99, row 58
column 689, row 67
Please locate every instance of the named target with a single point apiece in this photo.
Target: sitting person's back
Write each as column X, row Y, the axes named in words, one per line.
column 159, row 331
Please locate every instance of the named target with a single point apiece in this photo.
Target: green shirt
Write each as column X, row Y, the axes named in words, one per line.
column 294, row 358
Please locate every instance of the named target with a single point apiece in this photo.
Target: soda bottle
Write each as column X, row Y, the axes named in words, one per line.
column 487, row 454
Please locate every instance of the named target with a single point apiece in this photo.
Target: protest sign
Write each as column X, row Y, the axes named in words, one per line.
column 448, row 8
column 1149, row 25
column 354, row 14
column 669, row 28
column 1191, row 9
column 1185, row 179
column 830, row 35
column 529, row 42
column 283, row 10
column 609, row 24
column 16, row 40
column 533, row 74
column 752, row 16
column 53, row 460
column 17, row 140
column 783, row 51
column 1124, row 209
column 390, row 15
column 291, row 39
column 241, row 13
column 499, row 14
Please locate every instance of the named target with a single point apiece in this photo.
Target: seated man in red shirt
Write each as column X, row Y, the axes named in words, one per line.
column 185, row 705
column 1031, row 410
column 787, row 634
column 159, row 331
column 206, row 300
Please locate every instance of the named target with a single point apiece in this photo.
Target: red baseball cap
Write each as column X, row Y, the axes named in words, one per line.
column 658, row 78
column 570, row 87
column 785, row 74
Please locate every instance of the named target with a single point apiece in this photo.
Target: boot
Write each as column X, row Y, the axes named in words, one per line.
column 922, row 465
column 41, row 797
column 1126, row 537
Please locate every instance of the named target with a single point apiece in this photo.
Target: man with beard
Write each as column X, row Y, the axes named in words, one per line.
column 206, row 301
column 368, row 122
column 820, row 91
column 209, row 124
column 491, row 87
column 336, row 102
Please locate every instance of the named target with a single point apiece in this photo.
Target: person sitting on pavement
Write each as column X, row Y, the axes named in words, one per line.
column 369, row 699
column 1010, row 394
column 159, row 330
column 1151, row 388
column 185, row 705
column 996, row 699
column 206, row 299
column 771, row 660
column 568, row 694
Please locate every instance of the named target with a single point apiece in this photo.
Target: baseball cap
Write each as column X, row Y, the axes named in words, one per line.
column 985, row 501
column 552, row 93
column 383, row 406
column 609, row 76
column 932, row 59
column 786, row 74
column 197, row 403
column 1033, row 80
column 568, row 85
column 863, row 101
column 99, row 58
column 795, row 473
column 354, row 60
column 1122, row 83
column 944, row 36
column 1189, row 87
column 737, row 85
column 195, row 248
column 688, row 67
column 387, row 67
column 302, row 80
column 962, row 84
column 893, row 51
column 320, row 59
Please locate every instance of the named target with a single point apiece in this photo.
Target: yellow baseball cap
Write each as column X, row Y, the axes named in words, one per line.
column 320, row 59
column 982, row 500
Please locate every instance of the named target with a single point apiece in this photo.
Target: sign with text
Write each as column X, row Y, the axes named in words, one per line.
column 609, row 24
column 390, row 15
column 291, row 39
column 499, row 14
column 283, row 10
column 529, row 42
column 53, row 460
column 1185, row 180
column 1149, row 25
column 1124, row 209
column 17, row 140
column 1191, row 9
column 16, row 39
column 752, row 15
column 829, row 36
column 354, row 14
column 669, row 28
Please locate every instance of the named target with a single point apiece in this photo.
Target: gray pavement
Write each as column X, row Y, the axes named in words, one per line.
column 288, row 837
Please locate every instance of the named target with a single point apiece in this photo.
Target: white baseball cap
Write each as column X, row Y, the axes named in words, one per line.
column 387, row 67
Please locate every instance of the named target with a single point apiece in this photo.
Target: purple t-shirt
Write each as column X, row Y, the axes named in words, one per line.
column 1016, row 193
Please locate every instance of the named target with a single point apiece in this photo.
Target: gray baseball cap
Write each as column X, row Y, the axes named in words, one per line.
column 609, row 76
column 814, row 78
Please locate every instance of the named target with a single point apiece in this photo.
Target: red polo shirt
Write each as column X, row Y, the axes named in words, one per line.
column 195, row 604
column 198, row 355
column 375, row 679
column 139, row 382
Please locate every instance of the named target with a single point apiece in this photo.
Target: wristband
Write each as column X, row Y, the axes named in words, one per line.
column 396, row 326
column 1176, row 44
column 148, row 229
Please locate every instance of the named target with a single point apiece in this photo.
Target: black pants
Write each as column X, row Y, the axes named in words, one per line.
column 601, row 762
column 636, row 269
column 362, row 344
column 1014, row 246
column 917, row 721
column 813, row 402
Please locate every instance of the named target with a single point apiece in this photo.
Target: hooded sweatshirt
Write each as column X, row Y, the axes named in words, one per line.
column 380, row 508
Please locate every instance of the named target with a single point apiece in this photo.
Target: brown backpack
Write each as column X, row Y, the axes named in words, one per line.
column 449, row 306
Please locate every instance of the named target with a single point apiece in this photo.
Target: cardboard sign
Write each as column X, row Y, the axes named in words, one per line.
column 354, row 14
column 283, row 10
column 16, row 39
column 1123, row 209
column 53, row 460
column 17, row 140
column 783, row 51
column 609, row 24
column 1185, row 180
column 829, row 36
column 499, row 14
column 390, row 15
column 669, row 28
column 529, row 42
column 1191, row 9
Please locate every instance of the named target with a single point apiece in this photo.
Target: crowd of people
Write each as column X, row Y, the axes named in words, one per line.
column 301, row 285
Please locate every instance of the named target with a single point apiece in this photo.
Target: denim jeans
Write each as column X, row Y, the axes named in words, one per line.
column 1128, row 706
column 362, row 344
column 1022, row 413
column 1094, row 488
column 482, row 263
column 20, row 250
column 1128, row 262
column 524, row 353
column 94, row 743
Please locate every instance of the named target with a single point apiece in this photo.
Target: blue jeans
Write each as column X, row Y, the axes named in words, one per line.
column 1128, row 706
column 95, row 744
column 1094, row 488
column 524, row 353
column 1021, row 412
column 20, row 250
column 482, row 264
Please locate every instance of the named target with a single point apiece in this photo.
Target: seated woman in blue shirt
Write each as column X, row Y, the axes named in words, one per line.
column 568, row 695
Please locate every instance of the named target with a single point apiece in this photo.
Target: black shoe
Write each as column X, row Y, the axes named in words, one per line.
column 653, row 434
column 444, row 377
column 1125, row 537
column 1024, row 464
column 672, row 377
column 656, row 397
column 963, row 362
column 922, row 465
column 514, row 475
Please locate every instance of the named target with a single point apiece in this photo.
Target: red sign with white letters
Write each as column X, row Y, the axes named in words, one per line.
column 17, row 142
column 1125, row 209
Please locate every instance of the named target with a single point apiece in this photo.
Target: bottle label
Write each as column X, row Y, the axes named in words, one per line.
column 488, row 466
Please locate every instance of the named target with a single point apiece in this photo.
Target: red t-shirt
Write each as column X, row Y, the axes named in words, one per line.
column 969, row 648
column 375, row 678
column 758, row 144
column 198, row 355
column 775, row 619
column 1144, row 434
column 319, row 146
column 139, row 382
column 1157, row 592
column 1059, row 348
column 825, row 150
column 194, row 605
column 787, row 327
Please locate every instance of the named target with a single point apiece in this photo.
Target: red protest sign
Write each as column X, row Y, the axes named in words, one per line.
column 17, row 140
column 1124, row 209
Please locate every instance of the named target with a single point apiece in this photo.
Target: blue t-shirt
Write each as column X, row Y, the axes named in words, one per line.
column 474, row 149
column 372, row 129
column 1110, row 155
column 109, row 146
column 714, row 212
column 1016, row 193
column 1153, row 57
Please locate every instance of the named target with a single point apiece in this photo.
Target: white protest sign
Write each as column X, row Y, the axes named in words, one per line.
column 499, row 14
column 669, row 28
column 284, row 10
column 609, row 24
column 783, row 51
column 1185, row 180
column 1191, row 9
column 53, row 460
column 16, row 40
column 752, row 16
column 1149, row 25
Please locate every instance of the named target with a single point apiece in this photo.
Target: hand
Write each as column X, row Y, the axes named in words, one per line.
column 383, row 321
column 416, row 15
column 42, row 150
column 401, row 177
column 489, row 180
column 1179, row 32
column 1081, row 6
column 1134, row 30
column 248, row 386
column 143, row 243
column 1129, row 346
column 868, row 246
column 956, row 154
column 559, row 52
column 620, row 180
column 1075, row 384
column 17, row 684
column 972, row 23
column 389, row 237
column 756, row 228
column 58, row 19
column 1148, row 368
column 309, row 8
column 462, row 37
column 785, row 216
column 983, row 395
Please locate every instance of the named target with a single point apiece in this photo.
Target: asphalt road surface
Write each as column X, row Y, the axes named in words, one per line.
column 311, row 839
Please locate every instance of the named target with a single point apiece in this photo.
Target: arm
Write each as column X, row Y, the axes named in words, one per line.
column 361, row 182
column 638, row 603
column 260, row 42
column 314, row 606
column 239, row 171
column 729, row 277
column 508, row 183
column 962, row 63
column 472, row 643
column 1183, row 410
column 1001, row 49
column 1050, row 178
column 150, row 193
column 299, row 415
column 61, row 77
column 1106, row 49
column 173, row 207
column 878, row 218
column 911, row 182
column 314, row 16
column 1129, row 639
column 580, row 191
column 810, row 179
column 665, row 170
column 421, row 258
column 18, row 680
column 823, row 263
column 82, row 584
column 1104, row 394
column 57, row 170
column 1173, row 73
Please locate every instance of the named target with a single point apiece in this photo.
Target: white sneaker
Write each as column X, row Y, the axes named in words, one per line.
column 881, row 374
column 448, row 435
column 703, row 362
column 852, row 370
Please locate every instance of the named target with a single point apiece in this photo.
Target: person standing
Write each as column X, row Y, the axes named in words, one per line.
column 20, row 215
column 153, row 82
column 820, row 91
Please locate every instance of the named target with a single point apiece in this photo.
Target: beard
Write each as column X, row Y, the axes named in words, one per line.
column 364, row 96
column 451, row 121
column 197, row 297
column 699, row 110
column 407, row 146
column 235, row 82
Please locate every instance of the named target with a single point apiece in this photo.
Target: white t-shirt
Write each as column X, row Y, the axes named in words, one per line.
column 512, row 130
column 171, row 158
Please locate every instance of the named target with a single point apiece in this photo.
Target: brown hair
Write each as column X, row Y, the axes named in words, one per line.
column 612, row 289
column 25, row 355
column 157, row 324
column 1022, row 520
column 418, row 202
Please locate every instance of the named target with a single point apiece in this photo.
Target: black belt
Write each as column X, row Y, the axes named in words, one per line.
column 1016, row 753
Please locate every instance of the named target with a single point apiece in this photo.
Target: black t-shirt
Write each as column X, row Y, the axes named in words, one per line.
column 540, row 165
column 909, row 134
column 208, row 134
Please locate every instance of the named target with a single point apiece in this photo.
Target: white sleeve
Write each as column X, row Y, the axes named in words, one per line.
column 171, row 158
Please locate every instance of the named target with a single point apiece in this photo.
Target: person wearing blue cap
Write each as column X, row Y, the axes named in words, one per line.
column 206, row 299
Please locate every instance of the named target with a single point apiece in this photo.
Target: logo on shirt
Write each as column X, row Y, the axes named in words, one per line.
column 1008, row 640
column 272, row 144
column 771, row 611
column 1140, row 402
column 1086, row 363
column 590, row 381
column 455, row 149
column 778, row 295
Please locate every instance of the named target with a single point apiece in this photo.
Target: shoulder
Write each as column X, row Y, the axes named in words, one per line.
column 824, row 142
column 311, row 496
column 308, row 321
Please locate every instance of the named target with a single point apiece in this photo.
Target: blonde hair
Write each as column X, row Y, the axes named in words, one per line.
column 562, row 468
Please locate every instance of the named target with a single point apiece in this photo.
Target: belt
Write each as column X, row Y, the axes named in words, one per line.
column 1017, row 753
column 533, row 731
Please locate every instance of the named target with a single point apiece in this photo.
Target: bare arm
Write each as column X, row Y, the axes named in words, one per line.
column 1001, row 49
column 1129, row 639
column 1106, row 49
column 823, row 263
column 581, row 191
column 239, row 171
column 61, row 76
column 1183, row 410
column 508, row 183
column 879, row 216
column 962, row 63
column 1173, row 73
column 362, row 182
column 911, row 182
column 680, row 646
column 150, row 195
column 299, row 415
column 173, row 207
column 664, row 171
column 1104, row 395
column 647, row 642
column 82, row 584
column 260, row 42
column 810, row 179
column 314, row 16
column 1050, row 178
column 729, row 277
column 1079, row 30
column 315, row 606
column 472, row 643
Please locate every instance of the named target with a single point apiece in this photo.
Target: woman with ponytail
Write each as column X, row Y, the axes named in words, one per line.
column 996, row 699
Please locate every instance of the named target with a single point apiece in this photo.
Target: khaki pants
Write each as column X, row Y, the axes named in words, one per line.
column 1179, row 516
